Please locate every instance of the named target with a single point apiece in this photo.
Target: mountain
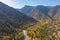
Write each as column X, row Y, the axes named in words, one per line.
column 11, row 19
column 54, row 11
column 26, row 9
column 42, row 12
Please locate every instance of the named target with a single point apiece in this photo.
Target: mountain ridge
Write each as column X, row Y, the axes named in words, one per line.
column 49, row 11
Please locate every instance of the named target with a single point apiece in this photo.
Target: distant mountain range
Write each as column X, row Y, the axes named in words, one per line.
column 41, row 12
column 11, row 19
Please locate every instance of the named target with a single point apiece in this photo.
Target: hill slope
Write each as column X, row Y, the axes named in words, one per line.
column 11, row 19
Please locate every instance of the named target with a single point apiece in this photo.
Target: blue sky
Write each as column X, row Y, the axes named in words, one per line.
column 22, row 3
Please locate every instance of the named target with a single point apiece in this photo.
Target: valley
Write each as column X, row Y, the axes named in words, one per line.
column 30, row 22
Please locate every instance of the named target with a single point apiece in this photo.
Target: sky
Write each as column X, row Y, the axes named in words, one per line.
column 22, row 3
